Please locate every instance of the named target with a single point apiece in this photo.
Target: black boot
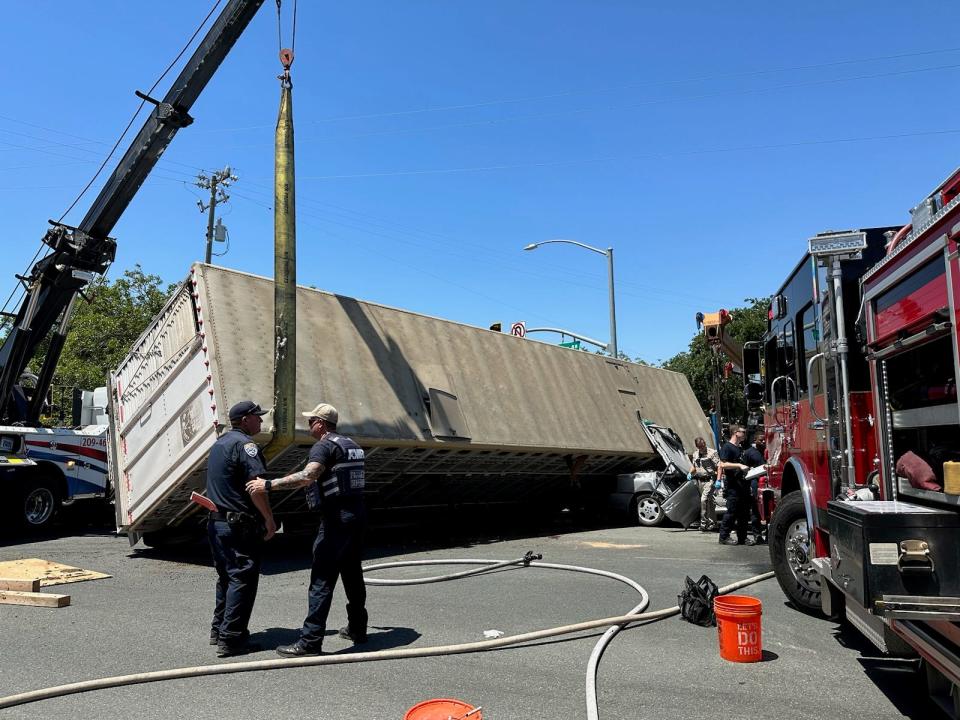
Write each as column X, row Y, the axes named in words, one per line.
column 358, row 636
column 298, row 649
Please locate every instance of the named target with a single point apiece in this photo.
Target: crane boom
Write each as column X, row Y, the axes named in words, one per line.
column 79, row 254
column 714, row 328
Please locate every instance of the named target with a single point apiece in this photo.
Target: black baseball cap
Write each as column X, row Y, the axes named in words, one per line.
column 244, row 408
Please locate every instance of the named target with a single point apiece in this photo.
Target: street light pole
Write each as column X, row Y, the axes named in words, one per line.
column 613, row 308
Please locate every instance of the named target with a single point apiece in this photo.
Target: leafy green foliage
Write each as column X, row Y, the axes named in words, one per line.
column 701, row 365
column 103, row 329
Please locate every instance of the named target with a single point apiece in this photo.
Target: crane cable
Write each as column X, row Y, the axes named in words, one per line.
column 293, row 31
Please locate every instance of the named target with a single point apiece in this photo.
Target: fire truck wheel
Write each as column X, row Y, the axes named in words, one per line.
column 790, row 553
column 39, row 502
column 647, row 509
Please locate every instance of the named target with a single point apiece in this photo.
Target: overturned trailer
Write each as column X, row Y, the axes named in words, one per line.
column 449, row 414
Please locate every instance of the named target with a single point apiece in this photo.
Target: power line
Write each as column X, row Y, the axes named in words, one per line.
column 19, row 285
column 489, row 122
column 497, row 300
column 645, row 156
column 72, row 146
column 41, row 127
column 593, row 91
column 137, row 111
column 34, row 166
column 304, row 200
column 161, row 164
column 450, row 246
column 18, row 188
column 448, row 281
column 494, row 121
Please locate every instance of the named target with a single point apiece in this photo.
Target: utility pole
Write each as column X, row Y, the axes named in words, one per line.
column 216, row 183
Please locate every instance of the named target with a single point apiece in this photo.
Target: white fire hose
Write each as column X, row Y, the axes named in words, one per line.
column 613, row 624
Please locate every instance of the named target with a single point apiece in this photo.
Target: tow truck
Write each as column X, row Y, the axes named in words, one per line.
column 40, row 467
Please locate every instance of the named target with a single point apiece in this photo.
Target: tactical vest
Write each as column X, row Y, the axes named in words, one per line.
column 346, row 478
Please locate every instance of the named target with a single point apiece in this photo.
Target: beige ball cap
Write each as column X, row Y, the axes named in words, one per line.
column 327, row 413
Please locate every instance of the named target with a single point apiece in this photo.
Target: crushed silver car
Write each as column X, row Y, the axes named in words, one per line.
column 650, row 496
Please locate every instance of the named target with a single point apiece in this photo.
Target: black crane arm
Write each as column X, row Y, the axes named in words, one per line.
column 79, row 254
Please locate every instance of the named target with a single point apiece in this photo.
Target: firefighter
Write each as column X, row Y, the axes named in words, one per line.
column 334, row 478
column 237, row 529
column 753, row 457
column 737, row 490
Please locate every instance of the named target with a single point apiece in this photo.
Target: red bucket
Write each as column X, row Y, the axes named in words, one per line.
column 442, row 709
column 738, row 627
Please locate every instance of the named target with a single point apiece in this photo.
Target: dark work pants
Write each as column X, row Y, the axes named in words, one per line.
column 738, row 511
column 336, row 553
column 237, row 551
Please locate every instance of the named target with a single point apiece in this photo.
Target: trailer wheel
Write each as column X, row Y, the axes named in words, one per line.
column 647, row 509
column 38, row 504
column 790, row 553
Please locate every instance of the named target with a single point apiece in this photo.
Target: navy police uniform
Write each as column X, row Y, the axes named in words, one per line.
column 235, row 532
column 737, row 494
column 338, row 548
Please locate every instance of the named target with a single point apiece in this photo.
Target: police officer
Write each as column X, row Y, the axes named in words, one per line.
column 237, row 529
column 334, row 478
column 737, row 490
column 705, row 461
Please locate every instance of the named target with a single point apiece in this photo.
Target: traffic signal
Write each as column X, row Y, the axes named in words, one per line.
column 496, row 327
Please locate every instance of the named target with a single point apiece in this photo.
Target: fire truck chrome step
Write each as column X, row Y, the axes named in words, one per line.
column 907, row 607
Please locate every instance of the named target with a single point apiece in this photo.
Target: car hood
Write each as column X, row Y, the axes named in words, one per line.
column 668, row 444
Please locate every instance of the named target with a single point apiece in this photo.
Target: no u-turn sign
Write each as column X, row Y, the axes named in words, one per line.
column 519, row 329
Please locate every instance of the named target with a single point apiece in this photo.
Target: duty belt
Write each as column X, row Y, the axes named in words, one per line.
column 233, row 517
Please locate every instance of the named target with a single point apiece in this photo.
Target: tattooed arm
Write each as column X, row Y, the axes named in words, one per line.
column 262, row 503
column 299, row 479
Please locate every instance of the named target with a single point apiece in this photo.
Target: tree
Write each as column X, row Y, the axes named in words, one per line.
column 103, row 329
column 701, row 365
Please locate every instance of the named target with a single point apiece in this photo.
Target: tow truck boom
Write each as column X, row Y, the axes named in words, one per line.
column 78, row 254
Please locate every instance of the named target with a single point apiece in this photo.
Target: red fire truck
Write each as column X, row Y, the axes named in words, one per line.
column 860, row 364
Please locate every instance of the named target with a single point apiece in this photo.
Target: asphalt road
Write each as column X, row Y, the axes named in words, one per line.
column 153, row 614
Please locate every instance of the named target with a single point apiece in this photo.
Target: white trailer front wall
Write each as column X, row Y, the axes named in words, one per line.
column 164, row 410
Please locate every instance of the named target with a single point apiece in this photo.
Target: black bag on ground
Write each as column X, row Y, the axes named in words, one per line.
column 696, row 601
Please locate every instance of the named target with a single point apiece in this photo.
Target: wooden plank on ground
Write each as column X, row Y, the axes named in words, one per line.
column 36, row 599
column 50, row 573
column 20, row 584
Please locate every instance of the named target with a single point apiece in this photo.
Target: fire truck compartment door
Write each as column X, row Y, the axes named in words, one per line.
column 905, row 300
column 874, row 543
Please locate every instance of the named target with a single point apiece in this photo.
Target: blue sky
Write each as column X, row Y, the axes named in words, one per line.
column 705, row 142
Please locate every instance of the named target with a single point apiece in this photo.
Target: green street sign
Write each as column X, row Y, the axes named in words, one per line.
column 575, row 344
